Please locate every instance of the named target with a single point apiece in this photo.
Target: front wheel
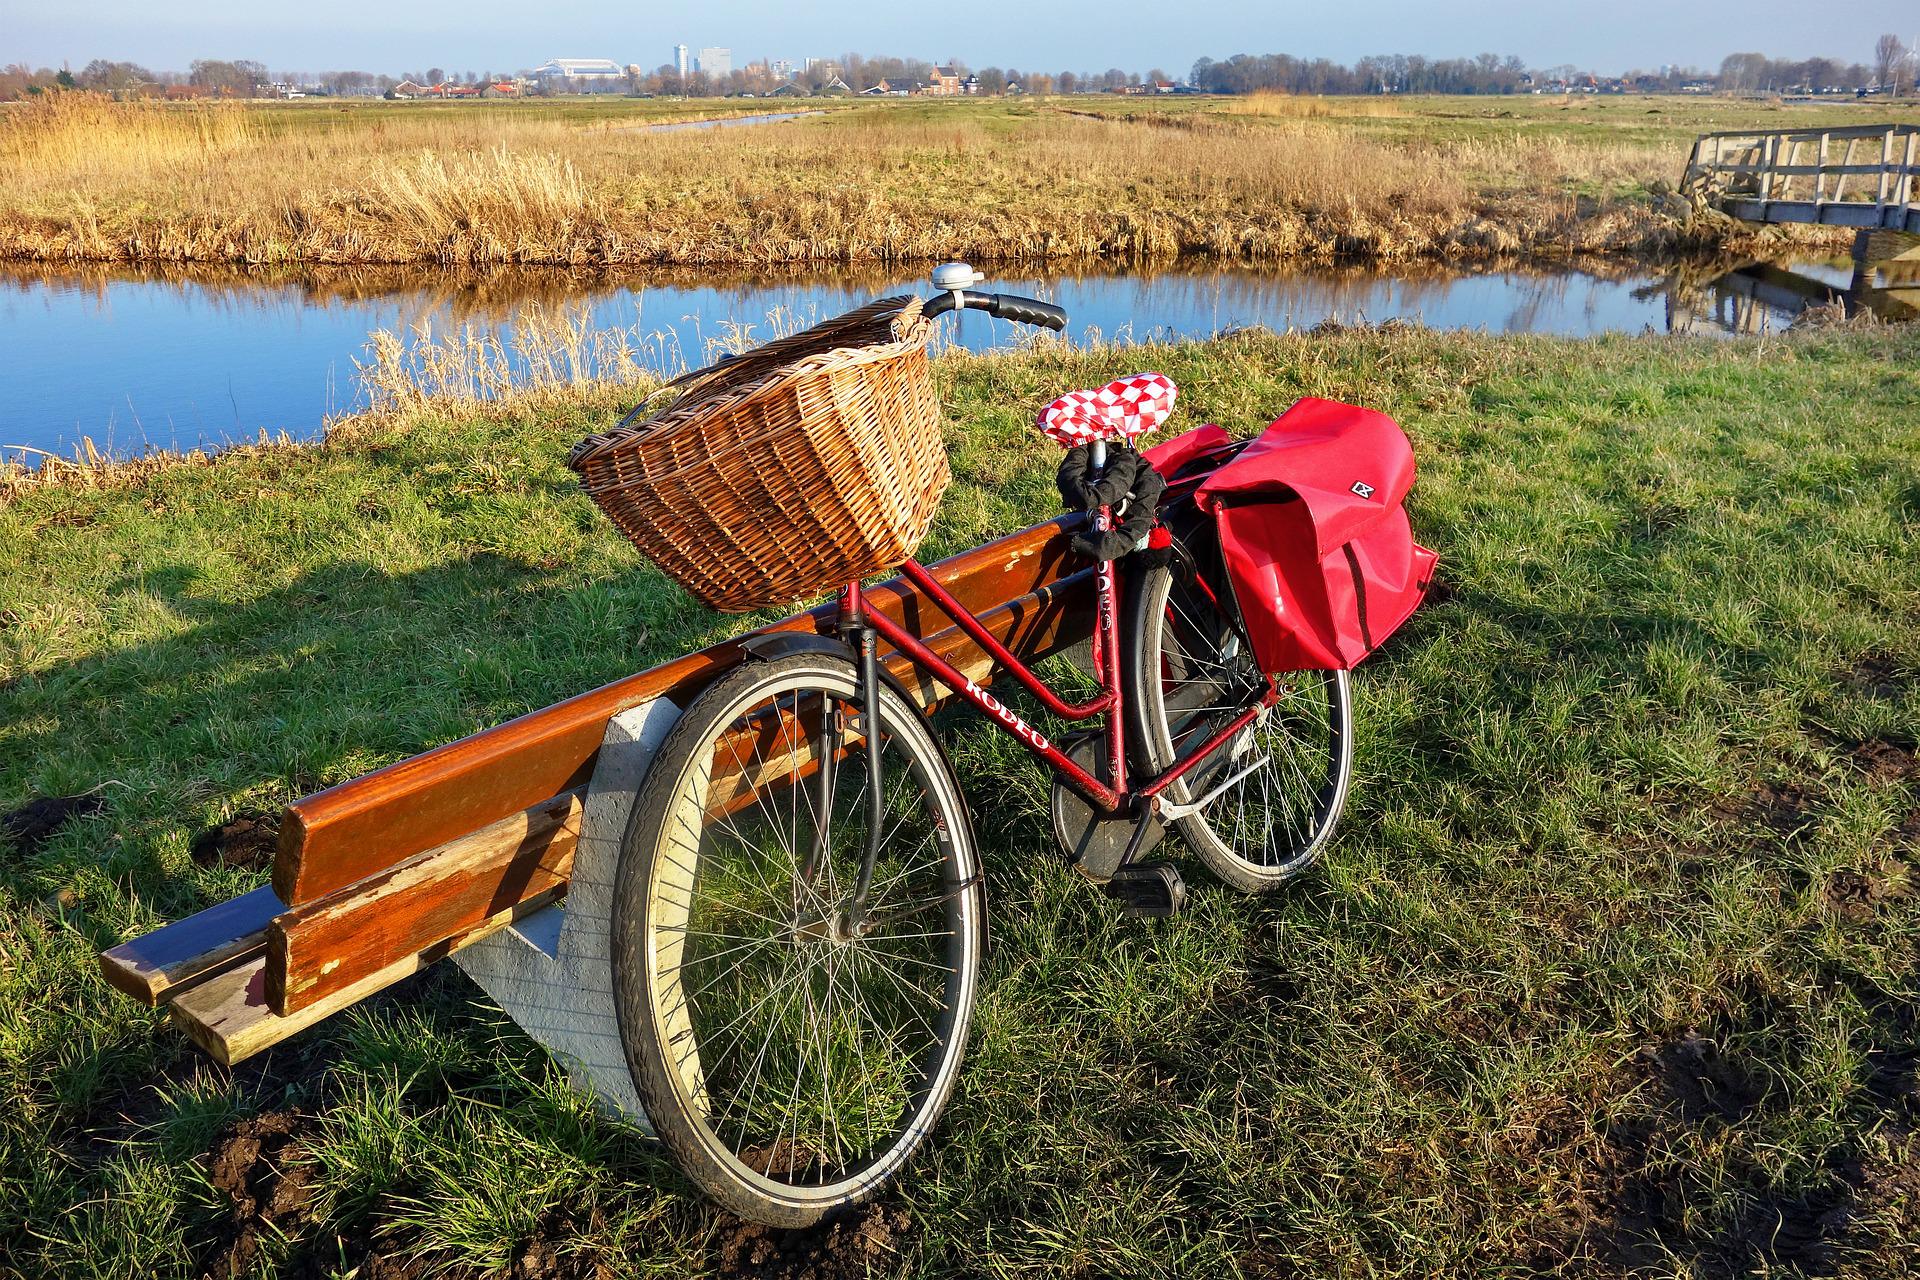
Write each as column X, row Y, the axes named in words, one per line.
column 792, row 1051
column 1274, row 793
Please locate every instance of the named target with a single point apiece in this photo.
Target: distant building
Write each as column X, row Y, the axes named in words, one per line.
column 810, row 63
column 716, row 62
column 945, row 83
column 579, row 69
column 780, row 69
column 408, row 89
column 680, row 60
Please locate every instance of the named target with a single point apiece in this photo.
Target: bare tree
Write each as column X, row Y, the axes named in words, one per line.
column 1889, row 59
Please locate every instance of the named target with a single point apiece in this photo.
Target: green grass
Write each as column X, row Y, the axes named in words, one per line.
column 1614, row 958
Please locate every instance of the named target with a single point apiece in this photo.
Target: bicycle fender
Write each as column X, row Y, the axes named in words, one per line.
column 771, row 645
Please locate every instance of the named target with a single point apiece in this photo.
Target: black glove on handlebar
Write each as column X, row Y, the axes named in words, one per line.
column 1081, row 492
column 1129, row 479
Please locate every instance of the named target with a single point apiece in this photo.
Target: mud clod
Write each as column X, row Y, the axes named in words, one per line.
column 248, row 841
column 1784, row 808
column 1886, row 760
column 34, row 823
column 865, row 1243
column 1857, row 895
column 250, row 1162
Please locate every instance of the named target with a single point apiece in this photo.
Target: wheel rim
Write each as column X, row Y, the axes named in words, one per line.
column 1279, row 779
column 807, row 1051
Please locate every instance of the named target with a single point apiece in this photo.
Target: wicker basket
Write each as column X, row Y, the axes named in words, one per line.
column 786, row 470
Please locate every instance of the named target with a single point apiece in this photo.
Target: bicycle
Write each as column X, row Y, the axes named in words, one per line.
column 799, row 920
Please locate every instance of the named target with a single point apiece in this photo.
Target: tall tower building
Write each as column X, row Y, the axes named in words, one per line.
column 716, row 62
column 680, row 60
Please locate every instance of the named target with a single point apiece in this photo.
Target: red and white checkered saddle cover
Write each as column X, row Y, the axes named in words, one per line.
column 1127, row 407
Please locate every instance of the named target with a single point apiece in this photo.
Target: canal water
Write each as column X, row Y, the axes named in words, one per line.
column 182, row 358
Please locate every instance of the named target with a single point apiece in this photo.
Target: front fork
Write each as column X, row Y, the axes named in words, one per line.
column 870, row 725
column 825, row 778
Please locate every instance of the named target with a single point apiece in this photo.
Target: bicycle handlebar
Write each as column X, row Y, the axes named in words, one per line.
column 1005, row 306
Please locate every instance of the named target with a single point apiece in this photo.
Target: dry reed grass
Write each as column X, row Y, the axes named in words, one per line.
column 548, row 349
column 81, row 138
column 1260, row 180
column 1293, row 106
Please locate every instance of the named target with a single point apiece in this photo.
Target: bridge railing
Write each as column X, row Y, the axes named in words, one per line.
column 1859, row 176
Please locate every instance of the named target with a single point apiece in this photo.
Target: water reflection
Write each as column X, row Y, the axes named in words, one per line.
column 1764, row 297
column 175, row 356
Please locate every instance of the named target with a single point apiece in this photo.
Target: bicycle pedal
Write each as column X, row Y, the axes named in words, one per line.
column 1152, row 889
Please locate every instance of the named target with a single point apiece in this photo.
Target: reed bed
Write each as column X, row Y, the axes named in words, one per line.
column 548, row 349
column 1266, row 178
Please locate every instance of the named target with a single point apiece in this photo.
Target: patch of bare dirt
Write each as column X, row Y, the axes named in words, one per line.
column 1858, row 895
column 255, row 1163
column 544, row 1258
column 1784, row 808
column 251, row 1163
column 1878, row 675
column 1640, row 1193
column 1906, row 836
column 1886, row 759
column 34, row 823
column 1699, row 1079
column 248, row 841
column 865, row 1243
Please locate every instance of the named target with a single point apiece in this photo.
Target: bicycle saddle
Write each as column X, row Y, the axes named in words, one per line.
column 1121, row 410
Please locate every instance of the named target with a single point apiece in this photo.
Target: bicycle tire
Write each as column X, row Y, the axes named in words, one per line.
column 664, row 1015
column 1170, row 620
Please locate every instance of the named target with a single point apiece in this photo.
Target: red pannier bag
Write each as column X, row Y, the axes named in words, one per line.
column 1316, row 541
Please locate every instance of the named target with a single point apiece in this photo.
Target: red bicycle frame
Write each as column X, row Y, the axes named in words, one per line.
column 1111, row 799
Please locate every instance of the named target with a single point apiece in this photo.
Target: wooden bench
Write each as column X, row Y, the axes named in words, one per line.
column 381, row 876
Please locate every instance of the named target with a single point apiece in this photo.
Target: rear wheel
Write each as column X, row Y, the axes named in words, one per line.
column 792, row 1057
column 1276, row 790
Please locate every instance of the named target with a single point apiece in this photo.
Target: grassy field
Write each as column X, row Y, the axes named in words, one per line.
column 581, row 182
column 1612, row 969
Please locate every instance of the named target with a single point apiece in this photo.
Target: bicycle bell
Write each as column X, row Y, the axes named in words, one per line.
column 953, row 277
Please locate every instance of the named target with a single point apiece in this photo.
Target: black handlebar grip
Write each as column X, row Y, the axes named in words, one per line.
column 1011, row 306
column 1006, row 306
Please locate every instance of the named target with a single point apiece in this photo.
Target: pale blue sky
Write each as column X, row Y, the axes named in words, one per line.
column 395, row 35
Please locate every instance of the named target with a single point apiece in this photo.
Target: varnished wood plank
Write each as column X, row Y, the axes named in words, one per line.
column 322, row 946
column 330, row 840
column 332, row 944
column 160, row 965
column 229, row 1017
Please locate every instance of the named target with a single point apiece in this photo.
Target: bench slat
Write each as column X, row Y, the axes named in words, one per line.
column 328, row 946
column 229, row 1017
column 156, row 967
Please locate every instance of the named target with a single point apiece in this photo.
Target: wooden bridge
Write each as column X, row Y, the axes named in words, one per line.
column 1865, row 176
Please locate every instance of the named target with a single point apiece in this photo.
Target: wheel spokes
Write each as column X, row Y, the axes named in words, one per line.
column 805, row 1044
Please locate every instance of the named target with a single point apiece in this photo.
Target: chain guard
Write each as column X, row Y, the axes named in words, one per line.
column 1092, row 841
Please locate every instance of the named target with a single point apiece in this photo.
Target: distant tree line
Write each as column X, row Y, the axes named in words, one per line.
column 1892, row 70
column 1384, row 73
column 1755, row 72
